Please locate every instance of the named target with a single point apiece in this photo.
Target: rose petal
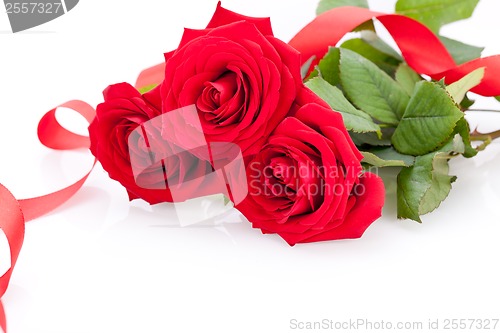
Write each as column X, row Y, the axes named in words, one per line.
column 367, row 209
column 224, row 16
column 190, row 34
column 317, row 117
column 153, row 98
column 120, row 90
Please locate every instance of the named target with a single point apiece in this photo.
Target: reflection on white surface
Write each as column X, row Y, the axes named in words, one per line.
column 206, row 211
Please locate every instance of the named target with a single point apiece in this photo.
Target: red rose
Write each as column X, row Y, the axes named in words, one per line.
column 242, row 80
column 306, row 184
column 118, row 139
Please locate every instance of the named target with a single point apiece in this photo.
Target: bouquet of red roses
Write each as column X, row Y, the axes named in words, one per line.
column 290, row 136
column 300, row 173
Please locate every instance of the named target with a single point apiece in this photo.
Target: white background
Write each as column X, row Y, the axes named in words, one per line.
column 102, row 264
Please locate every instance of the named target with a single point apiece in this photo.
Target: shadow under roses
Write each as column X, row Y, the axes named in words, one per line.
column 146, row 222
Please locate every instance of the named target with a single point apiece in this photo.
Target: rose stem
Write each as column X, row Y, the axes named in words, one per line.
column 484, row 110
column 486, row 138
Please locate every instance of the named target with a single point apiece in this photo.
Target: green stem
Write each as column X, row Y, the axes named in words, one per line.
column 486, row 138
column 483, row 110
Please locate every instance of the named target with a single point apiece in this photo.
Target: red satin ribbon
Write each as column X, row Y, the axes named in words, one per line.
column 151, row 76
column 12, row 224
column 420, row 47
column 15, row 213
column 422, row 50
column 3, row 321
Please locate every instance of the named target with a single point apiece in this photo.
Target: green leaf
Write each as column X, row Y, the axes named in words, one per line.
column 441, row 84
column 304, row 69
column 422, row 187
column 454, row 145
column 461, row 52
column 374, row 40
column 329, row 67
column 374, row 160
column 436, row 13
column 440, row 185
column 387, row 157
column 325, row 5
column 354, row 120
column 463, row 130
column 466, row 103
column 371, row 89
column 384, row 61
column 365, row 26
column 370, row 139
column 391, row 154
column 146, row 89
column 458, row 89
column 407, row 78
column 428, row 122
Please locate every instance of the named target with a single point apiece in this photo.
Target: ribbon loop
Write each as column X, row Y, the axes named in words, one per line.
column 14, row 213
column 53, row 135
